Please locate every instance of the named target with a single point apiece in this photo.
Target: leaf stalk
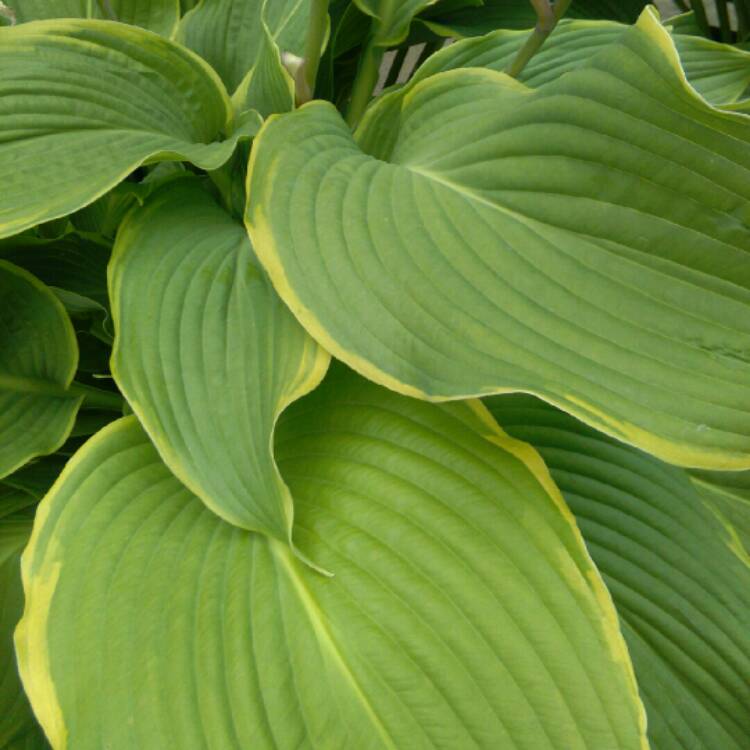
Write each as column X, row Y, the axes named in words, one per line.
column 96, row 397
column 547, row 19
column 364, row 83
column 316, row 35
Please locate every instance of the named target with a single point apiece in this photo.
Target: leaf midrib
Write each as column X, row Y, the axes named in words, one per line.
column 36, row 386
column 283, row 556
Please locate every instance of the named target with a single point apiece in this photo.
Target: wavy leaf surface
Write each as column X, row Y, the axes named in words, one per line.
column 682, row 595
column 719, row 72
column 207, row 354
column 464, row 613
column 230, row 33
column 568, row 242
column 83, row 103
column 157, row 15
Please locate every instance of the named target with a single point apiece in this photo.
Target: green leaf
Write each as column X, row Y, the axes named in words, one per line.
column 464, row 611
column 229, row 33
column 568, row 242
column 158, row 15
column 83, row 103
column 719, row 72
column 206, row 353
column 36, row 477
column 392, row 19
column 16, row 502
column 18, row 729
column 727, row 493
column 104, row 215
column 519, row 14
column 684, row 23
column 37, row 409
column 267, row 88
column 682, row 596
column 71, row 263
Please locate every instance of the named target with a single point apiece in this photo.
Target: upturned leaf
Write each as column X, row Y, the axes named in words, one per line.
column 719, row 72
column 207, row 354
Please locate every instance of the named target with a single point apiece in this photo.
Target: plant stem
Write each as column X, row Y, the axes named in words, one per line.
column 547, row 19
column 316, row 33
column 96, row 396
column 364, row 83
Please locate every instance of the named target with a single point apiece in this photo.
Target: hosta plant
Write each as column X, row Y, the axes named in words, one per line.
column 374, row 375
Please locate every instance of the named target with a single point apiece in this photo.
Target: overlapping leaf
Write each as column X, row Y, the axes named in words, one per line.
column 37, row 365
column 207, row 354
column 464, row 611
column 569, row 242
column 230, row 33
column 18, row 729
column 719, row 72
column 71, row 263
column 158, row 15
column 268, row 87
column 727, row 493
column 683, row 597
column 82, row 103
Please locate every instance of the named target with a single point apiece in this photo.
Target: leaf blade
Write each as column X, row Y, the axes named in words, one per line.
column 550, row 275
column 40, row 355
column 70, row 89
column 340, row 642
column 206, row 354
column 680, row 591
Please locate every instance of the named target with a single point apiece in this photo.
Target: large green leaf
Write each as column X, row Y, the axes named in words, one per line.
column 207, row 354
column 464, row 611
column 682, row 596
column 39, row 356
column 719, row 72
column 569, row 242
column 82, row 103
column 17, row 724
column 230, row 34
column 158, row 15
